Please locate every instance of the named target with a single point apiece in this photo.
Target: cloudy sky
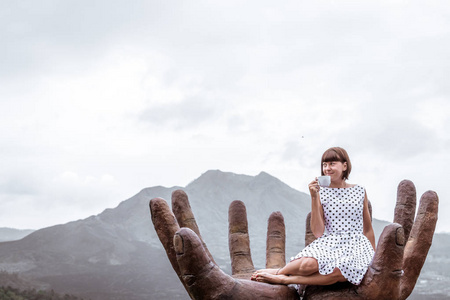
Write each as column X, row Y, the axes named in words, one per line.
column 100, row 99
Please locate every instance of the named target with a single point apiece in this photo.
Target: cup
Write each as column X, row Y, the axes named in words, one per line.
column 324, row 181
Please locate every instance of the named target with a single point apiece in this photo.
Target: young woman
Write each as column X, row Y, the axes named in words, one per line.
column 341, row 222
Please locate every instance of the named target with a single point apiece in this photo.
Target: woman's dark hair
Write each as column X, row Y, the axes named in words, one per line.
column 337, row 154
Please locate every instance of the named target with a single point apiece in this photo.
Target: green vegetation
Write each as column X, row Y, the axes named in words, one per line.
column 13, row 287
column 9, row 293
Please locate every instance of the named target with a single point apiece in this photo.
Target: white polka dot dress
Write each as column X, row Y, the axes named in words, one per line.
column 343, row 244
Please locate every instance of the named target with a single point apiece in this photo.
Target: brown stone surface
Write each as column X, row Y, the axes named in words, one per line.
column 309, row 235
column 419, row 241
column 183, row 213
column 239, row 240
column 401, row 251
column 405, row 207
column 276, row 241
column 382, row 279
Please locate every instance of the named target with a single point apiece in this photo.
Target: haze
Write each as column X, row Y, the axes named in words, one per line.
column 100, row 99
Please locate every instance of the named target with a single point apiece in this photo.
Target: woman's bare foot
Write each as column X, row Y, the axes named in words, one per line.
column 269, row 278
column 268, row 271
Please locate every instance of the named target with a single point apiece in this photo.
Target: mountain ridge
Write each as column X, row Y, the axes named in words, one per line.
column 117, row 254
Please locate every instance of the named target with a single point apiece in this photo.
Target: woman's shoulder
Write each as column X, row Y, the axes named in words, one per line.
column 352, row 185
column 355, row 186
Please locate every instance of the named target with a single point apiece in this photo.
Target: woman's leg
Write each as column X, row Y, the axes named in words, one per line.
column 314, row 279
column 303, row 266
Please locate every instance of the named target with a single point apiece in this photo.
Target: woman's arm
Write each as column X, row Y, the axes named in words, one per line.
column 317, row 221
column 367, row 223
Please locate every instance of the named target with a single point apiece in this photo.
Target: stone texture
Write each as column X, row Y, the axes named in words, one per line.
column 239, row 240
column 276, row 241
column 405, row 207
column 401, row 251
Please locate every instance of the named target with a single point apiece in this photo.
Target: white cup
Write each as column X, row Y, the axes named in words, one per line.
column 324, row 181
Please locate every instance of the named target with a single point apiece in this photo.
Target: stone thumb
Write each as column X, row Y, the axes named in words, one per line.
column 203, row 278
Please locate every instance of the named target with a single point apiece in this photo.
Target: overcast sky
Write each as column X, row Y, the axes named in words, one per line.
column 100, row 99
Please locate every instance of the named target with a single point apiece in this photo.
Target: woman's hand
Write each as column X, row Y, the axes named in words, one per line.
column 314, row 187
column 317, row 218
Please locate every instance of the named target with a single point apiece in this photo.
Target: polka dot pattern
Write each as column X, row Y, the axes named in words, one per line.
column 343, row 244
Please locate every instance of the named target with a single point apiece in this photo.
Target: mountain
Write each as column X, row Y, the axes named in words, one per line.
column 117, row 254
column 11, row 234
column 114, row 255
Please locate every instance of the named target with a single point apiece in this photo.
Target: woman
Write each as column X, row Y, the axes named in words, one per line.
column 341, row 222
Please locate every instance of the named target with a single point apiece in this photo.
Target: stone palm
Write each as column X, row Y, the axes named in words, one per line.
column 401, row 252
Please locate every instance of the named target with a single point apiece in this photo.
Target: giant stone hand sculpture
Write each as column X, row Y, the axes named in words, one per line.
column 401, row 252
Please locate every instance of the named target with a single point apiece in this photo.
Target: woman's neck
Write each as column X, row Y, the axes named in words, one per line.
column 338, row 184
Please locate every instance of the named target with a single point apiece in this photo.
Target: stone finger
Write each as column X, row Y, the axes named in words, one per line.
column 405, row 207
column 183, row 212
column 166, row 226
column 382, row 279
column 238, row 240
column 276, row 241
column 419, row 241
column 309, row 235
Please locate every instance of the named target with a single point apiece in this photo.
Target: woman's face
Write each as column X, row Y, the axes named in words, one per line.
column 334, row 169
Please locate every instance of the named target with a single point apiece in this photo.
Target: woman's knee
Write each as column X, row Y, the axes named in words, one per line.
column 308, row 264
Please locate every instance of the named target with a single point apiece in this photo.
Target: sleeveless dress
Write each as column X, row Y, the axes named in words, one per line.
column 343, row 244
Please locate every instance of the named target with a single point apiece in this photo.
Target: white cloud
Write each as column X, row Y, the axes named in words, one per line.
column 99, row 100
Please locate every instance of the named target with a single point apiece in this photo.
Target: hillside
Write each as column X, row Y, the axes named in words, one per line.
column 117, row 255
